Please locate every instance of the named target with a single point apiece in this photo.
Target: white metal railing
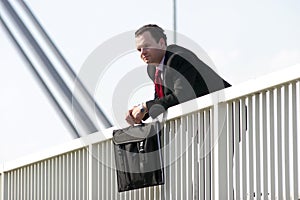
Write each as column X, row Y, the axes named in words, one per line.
column 239, row 143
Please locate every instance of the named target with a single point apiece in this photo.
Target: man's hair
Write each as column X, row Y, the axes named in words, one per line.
column 154, row 30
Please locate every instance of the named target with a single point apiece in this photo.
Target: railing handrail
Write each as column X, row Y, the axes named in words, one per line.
column 58, row 150
column 286, row 75
column 271, row 80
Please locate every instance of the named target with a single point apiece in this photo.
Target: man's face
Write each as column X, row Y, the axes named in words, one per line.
column 151, row 51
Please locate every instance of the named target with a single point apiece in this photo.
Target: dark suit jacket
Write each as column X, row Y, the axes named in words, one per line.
column 185, row 77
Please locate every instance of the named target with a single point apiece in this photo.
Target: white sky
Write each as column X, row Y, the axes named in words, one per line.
column 244, row 39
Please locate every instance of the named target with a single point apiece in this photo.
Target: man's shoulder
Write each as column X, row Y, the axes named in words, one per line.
column 174, row 48
column 182, row 54
column 179, row 50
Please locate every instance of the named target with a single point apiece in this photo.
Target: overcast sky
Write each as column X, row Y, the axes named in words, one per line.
column 244, row 39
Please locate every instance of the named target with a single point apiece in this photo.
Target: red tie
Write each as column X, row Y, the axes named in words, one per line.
column 158, row 84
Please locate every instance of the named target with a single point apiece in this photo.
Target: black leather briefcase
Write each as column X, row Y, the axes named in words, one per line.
column 138, row 156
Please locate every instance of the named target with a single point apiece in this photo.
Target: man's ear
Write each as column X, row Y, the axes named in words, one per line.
column 162, row 43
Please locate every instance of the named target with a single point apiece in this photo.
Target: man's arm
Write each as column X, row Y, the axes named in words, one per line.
column 180, row 78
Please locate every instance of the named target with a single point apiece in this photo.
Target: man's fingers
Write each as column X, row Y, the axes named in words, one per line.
column 134, row 116
column 129, row 119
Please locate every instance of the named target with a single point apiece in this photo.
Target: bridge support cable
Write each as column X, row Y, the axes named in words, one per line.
column 70, row 72
column 50, row 77
column 59, row 109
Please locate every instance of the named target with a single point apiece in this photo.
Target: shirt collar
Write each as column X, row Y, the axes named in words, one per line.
column 161, row 64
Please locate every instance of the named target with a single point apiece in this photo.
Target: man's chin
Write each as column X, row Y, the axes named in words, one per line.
column 150, row 63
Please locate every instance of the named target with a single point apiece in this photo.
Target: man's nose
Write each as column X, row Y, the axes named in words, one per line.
column 143, row 50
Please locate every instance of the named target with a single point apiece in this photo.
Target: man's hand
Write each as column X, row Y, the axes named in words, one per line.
column 135, row 115
column 129, row 118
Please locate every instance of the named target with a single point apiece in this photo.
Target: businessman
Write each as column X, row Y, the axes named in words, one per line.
column 177, row 73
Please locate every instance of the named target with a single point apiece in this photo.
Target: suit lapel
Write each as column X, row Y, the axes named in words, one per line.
column 151, row 69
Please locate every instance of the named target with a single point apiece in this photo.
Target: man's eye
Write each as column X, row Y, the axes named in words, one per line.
column 139, row 50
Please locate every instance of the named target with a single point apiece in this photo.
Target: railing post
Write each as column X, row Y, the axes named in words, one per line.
column 219, row 152
column 3, row 185
column 92, row 172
